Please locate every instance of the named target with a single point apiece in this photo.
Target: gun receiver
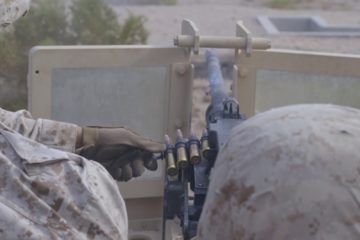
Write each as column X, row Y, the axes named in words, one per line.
column 221, row 116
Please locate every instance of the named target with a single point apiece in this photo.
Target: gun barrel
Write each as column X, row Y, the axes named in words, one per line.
column 217, row 87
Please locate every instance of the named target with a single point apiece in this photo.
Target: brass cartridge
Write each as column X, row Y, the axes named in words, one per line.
column 205, row 148
column 194, row 149
column 180, row 146
column 171, row 169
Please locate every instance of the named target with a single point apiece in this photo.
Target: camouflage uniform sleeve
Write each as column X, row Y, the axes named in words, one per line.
column 58, row 135
column 50, row 194
column 10, row 10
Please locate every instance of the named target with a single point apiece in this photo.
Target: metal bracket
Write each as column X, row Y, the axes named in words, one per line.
column 190, row 29
column 190, row 38
column 242, row 31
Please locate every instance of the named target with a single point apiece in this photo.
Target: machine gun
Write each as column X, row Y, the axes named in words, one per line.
column 189, row 161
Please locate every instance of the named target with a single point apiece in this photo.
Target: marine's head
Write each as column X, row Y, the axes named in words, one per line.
column 289, row 173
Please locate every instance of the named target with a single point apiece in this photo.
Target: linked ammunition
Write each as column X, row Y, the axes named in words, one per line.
column 194, row 149
column 180, row 146
column 171, row 169
column 205, row 143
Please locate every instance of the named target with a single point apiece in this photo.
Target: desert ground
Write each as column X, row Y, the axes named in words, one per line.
column 218, row 17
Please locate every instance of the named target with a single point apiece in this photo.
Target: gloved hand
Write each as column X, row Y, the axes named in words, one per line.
column 121, row 151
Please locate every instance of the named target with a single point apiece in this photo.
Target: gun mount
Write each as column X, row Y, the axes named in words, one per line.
column 221, row 116
column 69, row 75
column 189, row 161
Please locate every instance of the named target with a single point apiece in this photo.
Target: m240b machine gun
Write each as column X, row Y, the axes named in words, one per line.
column 189, row 161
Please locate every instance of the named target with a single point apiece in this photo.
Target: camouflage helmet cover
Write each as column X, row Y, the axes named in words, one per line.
column 288, row 173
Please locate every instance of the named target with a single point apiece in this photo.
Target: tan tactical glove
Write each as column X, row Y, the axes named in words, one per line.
column 121, row 151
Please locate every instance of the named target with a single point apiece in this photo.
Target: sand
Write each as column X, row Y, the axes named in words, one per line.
column 218, row 17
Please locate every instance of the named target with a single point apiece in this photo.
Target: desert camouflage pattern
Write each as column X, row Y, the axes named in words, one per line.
column 58, row 135
column 47, row 193
column 10, row 10
column 289, row 173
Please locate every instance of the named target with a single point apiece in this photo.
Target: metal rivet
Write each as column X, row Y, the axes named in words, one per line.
column 181, row 70
column 242, row 72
